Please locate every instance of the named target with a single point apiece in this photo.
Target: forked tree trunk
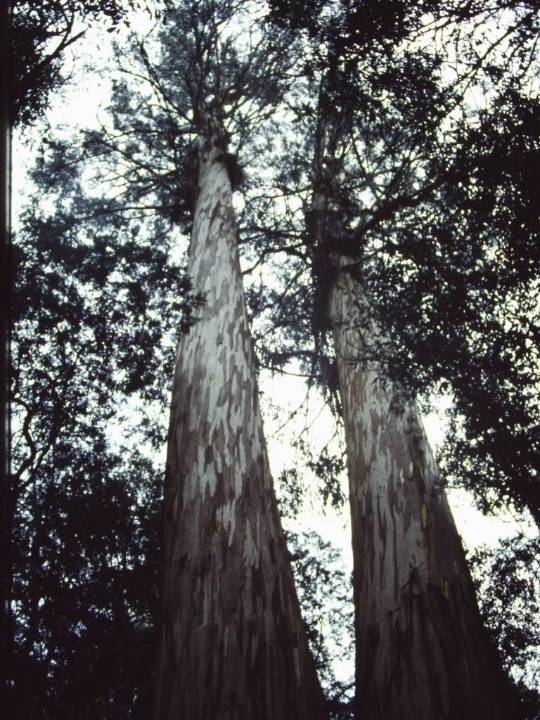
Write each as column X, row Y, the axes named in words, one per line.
column 422, row 652
column 232, row 643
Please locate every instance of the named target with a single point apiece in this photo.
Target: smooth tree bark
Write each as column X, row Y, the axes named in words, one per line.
column 232, row 643
column 421, row 649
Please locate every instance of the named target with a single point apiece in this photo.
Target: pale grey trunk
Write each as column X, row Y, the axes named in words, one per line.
column 421, row 649
column 232, row 643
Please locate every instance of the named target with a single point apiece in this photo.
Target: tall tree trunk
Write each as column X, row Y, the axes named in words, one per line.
column 232, row 641
column 422, row 652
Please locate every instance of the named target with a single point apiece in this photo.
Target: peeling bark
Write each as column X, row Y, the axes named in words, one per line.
column 232, row 643
column 422, row 652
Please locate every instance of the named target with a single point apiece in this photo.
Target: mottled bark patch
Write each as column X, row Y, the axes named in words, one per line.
column 232, row 639
column 422, row 653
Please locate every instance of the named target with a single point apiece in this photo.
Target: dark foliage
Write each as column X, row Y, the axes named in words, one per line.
column 463, row 310
column 85, row 582
column 97, row 309
column 325, row 594
column 40, row 34
column 508, row 582
column 324, row 588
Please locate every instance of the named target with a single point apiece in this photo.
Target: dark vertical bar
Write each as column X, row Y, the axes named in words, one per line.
column 5, row 282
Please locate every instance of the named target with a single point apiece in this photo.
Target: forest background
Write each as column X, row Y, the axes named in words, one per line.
column 100, row 295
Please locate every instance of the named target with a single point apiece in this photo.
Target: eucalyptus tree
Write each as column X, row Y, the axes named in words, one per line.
column 94, row 305
column 232, row 641
column 380, row 136
column 476, row 180
column 421, row 647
